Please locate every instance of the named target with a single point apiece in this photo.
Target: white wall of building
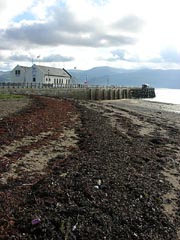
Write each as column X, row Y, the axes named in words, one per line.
column 56, row 80
column 18, row 75
column 34, row 75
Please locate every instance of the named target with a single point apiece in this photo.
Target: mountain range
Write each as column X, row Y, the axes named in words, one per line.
column 121, row 77
column 4, row 76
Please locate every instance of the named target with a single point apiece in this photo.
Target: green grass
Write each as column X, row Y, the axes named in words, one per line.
column 10, row 96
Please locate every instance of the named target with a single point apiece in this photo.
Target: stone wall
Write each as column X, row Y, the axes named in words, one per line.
column 87, row 93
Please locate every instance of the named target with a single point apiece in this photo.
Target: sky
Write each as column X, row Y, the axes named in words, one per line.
column 82, row 34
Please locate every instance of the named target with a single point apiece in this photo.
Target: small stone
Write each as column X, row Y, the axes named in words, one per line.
column 99, row 182
column 36, row 221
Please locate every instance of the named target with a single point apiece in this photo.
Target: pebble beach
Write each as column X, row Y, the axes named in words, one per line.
column 110, row 170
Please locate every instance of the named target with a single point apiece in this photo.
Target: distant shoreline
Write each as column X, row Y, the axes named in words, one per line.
column 145, row 106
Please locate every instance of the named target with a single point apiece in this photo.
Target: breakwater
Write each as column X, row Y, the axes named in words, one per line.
column 81, row 91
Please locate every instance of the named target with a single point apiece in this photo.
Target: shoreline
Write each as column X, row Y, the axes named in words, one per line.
column 146, row 107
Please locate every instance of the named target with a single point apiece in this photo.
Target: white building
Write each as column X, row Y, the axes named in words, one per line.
column 41, row 75
column 18, row 74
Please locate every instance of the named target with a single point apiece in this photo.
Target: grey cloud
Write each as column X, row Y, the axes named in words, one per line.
column 2, row 58
column 129, row 23
column 35, row 34
column 4, row 42
column 41, row 34
column 65, row 21
column 5, row 66
column 57, row 58
column 20, row 58
column 119, row 54
column 63, row 29
column 123, row 55
column 119, row 39
column 168, row 54
column 25, row 58
column 4, row 46
column 16, row 57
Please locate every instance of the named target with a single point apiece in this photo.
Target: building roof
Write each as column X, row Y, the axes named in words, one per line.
column 54, row 71
column 25, row 68
column 22, row 67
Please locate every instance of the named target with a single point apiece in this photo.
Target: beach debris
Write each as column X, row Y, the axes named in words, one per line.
column 135, row 235
column 63, row 175
column 74, row 227
column 36, row 221
column 112, row 190
column 58, row 204
column 99, row 182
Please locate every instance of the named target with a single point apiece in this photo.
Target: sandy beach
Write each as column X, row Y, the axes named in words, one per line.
column 90, row 170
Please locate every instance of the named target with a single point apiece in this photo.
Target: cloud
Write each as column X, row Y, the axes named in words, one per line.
column 20, row 58
column 119, row 54
column 64, row 29
column 167, row 55
column 65, row 20
column 56, row 58
column 2, row 58
column 5, row 66
column 40, row 8
column 26, row 58
column 170, row 54
column 9, row 9
column 89, row 33
column 44, row 34
column 130, row 23
column 4, row 43
column 122, row 55
column 3, row 5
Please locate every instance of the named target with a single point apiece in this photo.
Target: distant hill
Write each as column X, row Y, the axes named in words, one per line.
column 122, row 77
column 4, row 76
column 95, row 74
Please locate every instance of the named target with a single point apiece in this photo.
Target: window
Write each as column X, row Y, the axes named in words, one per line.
column 68, row 81
column 34, row 79
column 17, row 72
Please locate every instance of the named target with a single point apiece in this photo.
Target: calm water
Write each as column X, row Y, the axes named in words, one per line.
column 167, row 95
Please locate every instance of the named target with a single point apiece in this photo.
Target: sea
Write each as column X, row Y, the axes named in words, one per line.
column 167, row 95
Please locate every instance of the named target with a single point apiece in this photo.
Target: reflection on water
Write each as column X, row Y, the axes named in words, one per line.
column 167, row 95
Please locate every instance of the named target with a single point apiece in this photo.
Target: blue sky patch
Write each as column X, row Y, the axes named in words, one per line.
column 24, row 16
